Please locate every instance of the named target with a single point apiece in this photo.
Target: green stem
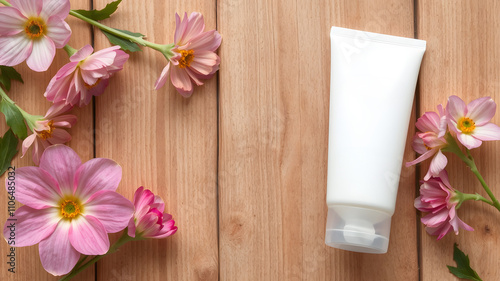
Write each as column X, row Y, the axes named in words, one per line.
column 69, row 50
column 5, row 3
column 123, row 239
column 468, row 196
column 469, row 161
column 165, row 49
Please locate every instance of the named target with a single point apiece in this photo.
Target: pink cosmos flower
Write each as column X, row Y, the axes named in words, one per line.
column 149, row 220
column 471, row 123
column 195, row 57
column 31, row 30
column 86, row 75
column 49, row 130
column 430, row 141
column 437, row 198
column 69, row 207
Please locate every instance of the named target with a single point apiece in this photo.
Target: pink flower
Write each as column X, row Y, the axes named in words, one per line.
column 49, row 130
column 149, row 219
column 471, row 123
column 195, row 58
column 438, row 199
column 85, row 76
column 430, row 141
column 31, row 30
column 69, row 207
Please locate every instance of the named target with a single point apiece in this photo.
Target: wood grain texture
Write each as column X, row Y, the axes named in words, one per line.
column 165, row 143
column 463, row 59
column 274, row 96
column 29, row 96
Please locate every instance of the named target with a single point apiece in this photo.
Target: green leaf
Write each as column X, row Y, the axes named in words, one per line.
column 463, row 269
column 101, row 14
column 124, row 43
column 14, row 118
column 7, row 74
column 8, row 148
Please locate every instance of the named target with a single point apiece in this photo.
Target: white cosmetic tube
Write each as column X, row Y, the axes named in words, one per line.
column 373, row 79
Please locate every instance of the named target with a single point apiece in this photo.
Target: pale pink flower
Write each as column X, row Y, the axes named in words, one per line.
column 86, row 75
column 70, row 207
column 150, row 220
column 471, row 123
column 31, row 30
column 430, row 140
column 50, row 130
column 195, row 58
column 437, row 198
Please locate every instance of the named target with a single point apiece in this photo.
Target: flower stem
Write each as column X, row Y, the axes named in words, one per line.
column 123, row 239
column 469, row 161
column 165, row 49
column 468, row 196
column 69, row 50
column 5, row 3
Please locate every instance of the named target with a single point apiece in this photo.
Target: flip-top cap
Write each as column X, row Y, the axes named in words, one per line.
column 358, row 229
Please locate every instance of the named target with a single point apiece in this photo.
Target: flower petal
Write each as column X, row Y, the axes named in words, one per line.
column 59, row 32
column 487, row 132
column 36, row 188
column 195, row 26
column 437, row 165
column 131, row 228
column 163, row 77
column 481, row 110
column 456, row 108
column 14, row 49
column 27, row 143
column 59, row 136
column 111, row 209
column 88, row 236
column 42, row 54
column 429, row 122
column 59, row 108
column 422, row 157
column 61, row 162
column 180, row 28
column 96, row 175
column 181, row 81
column 206, row 41
column 30, row 226
column 64, row 121
column 434, row 219
column 168, row 229
column 28, row 8
column 441, row 230
column 469, row 141
column 55, row 9
column 11, row 21
column 56, row 253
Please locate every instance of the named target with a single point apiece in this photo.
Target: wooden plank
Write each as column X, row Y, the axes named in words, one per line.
column 274, row 95
column 164, row 142
column 463, row 59
column 29, row 96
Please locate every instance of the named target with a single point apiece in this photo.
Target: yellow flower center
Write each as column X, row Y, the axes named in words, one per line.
column 92, row 86
column 46, row 134
column 35, row 27
column 466, row 125
column 70, row 208
column 187, row 58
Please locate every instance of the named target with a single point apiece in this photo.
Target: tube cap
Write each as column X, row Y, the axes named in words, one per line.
column 358, row 229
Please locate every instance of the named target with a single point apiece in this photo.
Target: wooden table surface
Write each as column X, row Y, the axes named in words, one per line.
column 242, row 163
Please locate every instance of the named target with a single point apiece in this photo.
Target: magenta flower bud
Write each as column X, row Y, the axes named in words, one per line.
column 149, row 219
